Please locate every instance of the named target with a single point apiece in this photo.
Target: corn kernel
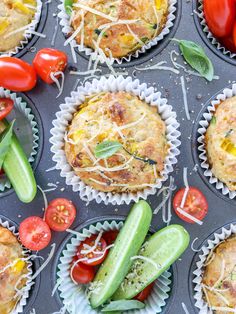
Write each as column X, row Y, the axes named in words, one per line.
column 158, row 4
column 3, row 25
column 18, row 266
column 21, row 7
column 127, row 39
column 229, row 147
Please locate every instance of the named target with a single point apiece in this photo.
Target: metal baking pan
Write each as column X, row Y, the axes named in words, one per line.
column 44, row 104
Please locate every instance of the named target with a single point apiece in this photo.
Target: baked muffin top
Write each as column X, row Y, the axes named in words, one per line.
column 14, row 15
column 12, row 270
column 219, row 278
column 118, row 27
column 221, row 143
column 124, row 119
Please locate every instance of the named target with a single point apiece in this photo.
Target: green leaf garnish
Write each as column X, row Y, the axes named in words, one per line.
column 197, row 58
column 107, row 149
column 123, row 305
column 5, row 142
column 68, row 6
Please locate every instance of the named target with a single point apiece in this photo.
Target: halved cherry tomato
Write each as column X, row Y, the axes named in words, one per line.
column 196, row 204
column 228, row 42
column 220, row 16
column 82, row 273
column 1, row 172
column 143, row 295
column 47, row 62
column 34, row 233
column 60, row 214
column 234, row 35
column 16, row 74
column 100, row 251
column 110, row 236
column 6, row 106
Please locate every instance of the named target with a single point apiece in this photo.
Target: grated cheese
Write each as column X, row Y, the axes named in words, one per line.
column 222, row 272
column 130, row 125
column 94, row 11
column 72, row 48
column 184, row 213
column 88, row 151
column 60, row 87
column 158, row 66
column 134, row 35
column 85, row 72
column 117, row 22
column 76, row 32
column 95, row 244
column 192, row 244
column 169, row 190
column 185, row 308
column 223, row 309
column 44, row 197
column 17, row 31
column 50, row 256
column 185, row 98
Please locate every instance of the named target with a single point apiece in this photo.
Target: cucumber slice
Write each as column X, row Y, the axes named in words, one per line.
column 18, row 170
column 118, row 262
column 163, row 249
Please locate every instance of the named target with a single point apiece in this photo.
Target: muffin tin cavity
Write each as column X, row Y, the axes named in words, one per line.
column 208, row 37
column 162, row 292
column 29, row 130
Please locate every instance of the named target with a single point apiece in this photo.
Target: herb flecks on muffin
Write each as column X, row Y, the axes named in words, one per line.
column 117, row 143
column 221, row 143
column 117, row 28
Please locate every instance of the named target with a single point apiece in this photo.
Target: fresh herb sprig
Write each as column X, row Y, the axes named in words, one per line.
column 196, row 58
column 107, row 149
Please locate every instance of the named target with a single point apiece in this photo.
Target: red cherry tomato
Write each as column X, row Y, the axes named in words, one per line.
column 100, row 250
column 234, row 36
column 82, row 273
column 1, row 172
column 228, row 42
column 143, row 295
column 110, row 236
column 6, row 106
column 34, row 233
column 220, row 16
column 60, row 214
column 196, row 204
column 16, row 74
column 49, row 61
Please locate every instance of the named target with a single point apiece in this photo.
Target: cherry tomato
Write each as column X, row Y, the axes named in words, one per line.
column 82, row 273
column 110, row 236
column 34, row 233
column 1, row 172
column 234, row 36
column 16, row 74
column 220, row 16
column 228, row 42
column 196, row 204
column 100, row 250
column 49, row 61
column 60, row 214
column 143, row 295
column 6, row 106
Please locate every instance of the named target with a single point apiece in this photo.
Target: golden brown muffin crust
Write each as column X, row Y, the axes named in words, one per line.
column 124, row 118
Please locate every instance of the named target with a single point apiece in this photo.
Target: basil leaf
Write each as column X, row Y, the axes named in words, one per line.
column 107, row 149
column 5, row 142
column 123, row 305
column 197, row 58
column 68, row 6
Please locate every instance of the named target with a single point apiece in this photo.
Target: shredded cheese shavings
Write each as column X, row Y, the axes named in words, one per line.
column 222, row 272
column 89, row 153
column 159, row 66
column 166, row 195
column 134, row 35
column 119, row 22
column 185, row 308
column 185, row 98
column 85, row 72
column 50, row 256
column 146, row 259
column 130, row 125
column 181, row 211
column 95, row 244
column 76, row 32
column 21, row 29
column 44, row 197
column 223, row 309
column 94, row 11
column 192, row 244
column 72, row 48
column 60, row 87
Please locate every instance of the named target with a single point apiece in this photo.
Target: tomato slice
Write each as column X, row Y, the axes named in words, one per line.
column 60, row 214
column 196, row 204
column 234, row 36
column 34, row 233
column 6, row 106
column 81, row 273
column 143, row 295
column 16, row 74
column 49, row 61
column 110, row 236
column 99, row 253
column 1, row 172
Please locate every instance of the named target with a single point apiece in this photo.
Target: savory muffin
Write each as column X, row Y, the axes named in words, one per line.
column 219, row 278
column 126, row 121
column 118, row 27
column 221, row 143
column 13, row 269
column 14, row 15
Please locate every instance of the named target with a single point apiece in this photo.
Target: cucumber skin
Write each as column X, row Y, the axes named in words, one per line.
column 127, row 244
column 130, row 291
column 19, row 171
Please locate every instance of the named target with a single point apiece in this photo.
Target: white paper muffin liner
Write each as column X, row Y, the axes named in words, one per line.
column 74, row 298
column 26, row 290
column 26, row 112
column 27, row 34
column 67, row 29
column 204, row 123
column 217, row 238
column 209, row 35
column 65, row 115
